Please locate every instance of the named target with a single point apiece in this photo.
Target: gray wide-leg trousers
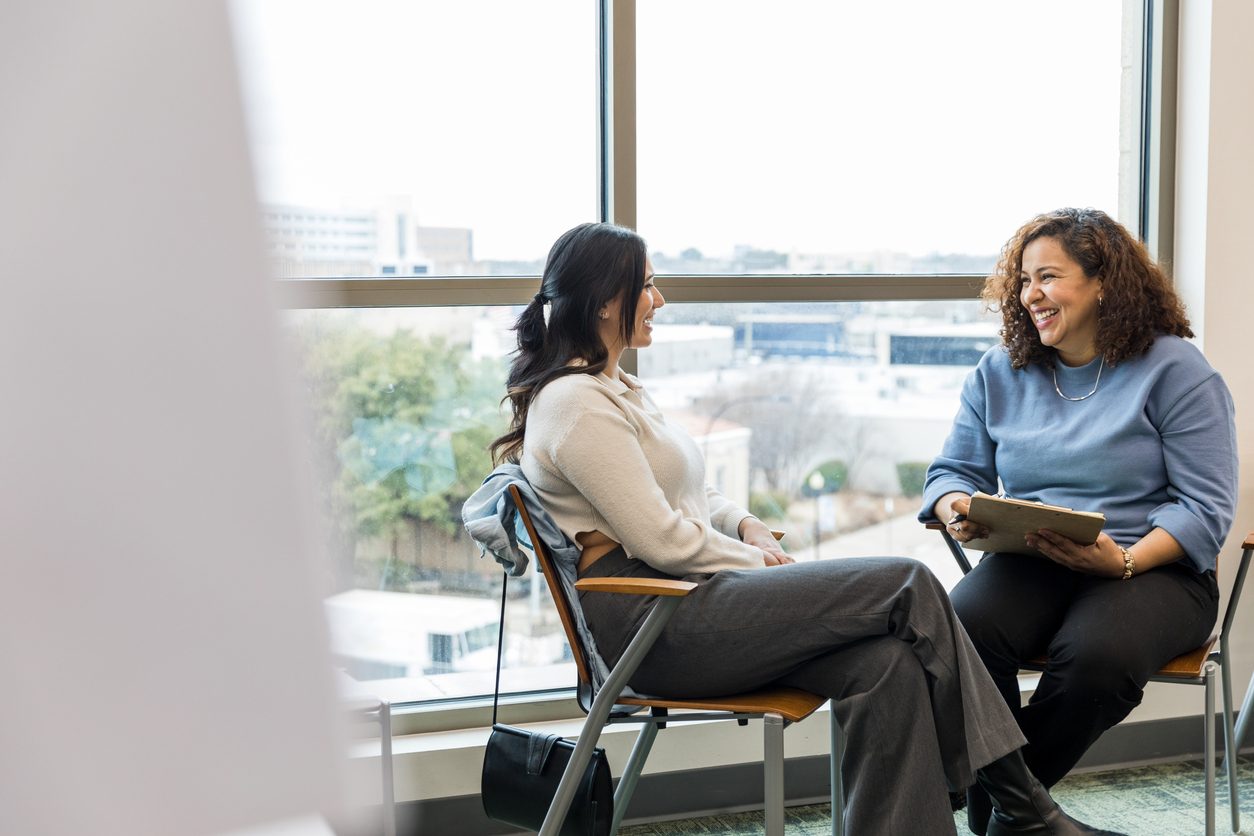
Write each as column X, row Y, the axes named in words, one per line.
column 878, row 635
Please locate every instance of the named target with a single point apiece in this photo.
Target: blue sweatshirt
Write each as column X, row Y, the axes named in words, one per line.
column 1154, row 447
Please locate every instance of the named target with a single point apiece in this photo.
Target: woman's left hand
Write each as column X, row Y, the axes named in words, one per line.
column 1103, row 558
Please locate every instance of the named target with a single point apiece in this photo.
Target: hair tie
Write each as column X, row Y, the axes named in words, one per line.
column 541, row 298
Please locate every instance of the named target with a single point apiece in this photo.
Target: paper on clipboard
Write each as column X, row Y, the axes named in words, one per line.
column 1009, row 520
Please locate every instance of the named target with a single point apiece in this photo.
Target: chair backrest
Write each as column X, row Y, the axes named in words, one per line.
column 1238, row 583
column 565, row 609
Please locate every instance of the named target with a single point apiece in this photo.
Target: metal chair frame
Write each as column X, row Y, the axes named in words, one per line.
column 1247, row 705
column 1197, row 667
column 776, row 707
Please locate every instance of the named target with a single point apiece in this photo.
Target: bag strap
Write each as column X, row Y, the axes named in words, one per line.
column 500, row 647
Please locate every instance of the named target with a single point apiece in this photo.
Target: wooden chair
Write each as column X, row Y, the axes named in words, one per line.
column 1197, row 667
column 776, row 707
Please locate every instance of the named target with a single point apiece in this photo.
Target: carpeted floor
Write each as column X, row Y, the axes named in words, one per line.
column 1159, row 800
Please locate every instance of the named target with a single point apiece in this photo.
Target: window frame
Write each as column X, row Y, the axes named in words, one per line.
column 1153, row 161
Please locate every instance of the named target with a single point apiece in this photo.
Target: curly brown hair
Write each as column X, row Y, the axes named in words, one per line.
column 1138, row 301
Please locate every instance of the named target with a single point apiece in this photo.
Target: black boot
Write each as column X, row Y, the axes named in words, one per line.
column 1022, row 807
column 979, row 810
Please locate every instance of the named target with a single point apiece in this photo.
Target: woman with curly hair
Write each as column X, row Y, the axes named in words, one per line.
column 1095, row 401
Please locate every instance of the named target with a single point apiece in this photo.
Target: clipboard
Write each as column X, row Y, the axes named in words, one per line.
column 1009, row 520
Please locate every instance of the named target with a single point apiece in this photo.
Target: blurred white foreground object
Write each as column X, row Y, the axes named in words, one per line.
column 162, row 646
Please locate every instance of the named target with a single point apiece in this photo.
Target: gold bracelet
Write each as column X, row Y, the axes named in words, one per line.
column 1129, row 564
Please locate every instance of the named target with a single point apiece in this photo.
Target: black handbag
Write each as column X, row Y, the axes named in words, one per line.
column 521, row 771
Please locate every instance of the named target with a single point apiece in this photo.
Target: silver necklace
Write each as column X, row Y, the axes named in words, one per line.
column 1096, row 383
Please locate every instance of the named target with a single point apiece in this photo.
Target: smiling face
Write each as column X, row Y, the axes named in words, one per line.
column 1061, row 299
column 642, row 331
column 650, row 300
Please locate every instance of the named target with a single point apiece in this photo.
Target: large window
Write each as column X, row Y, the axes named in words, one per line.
column 820, row 418
column 419, row 138
column 822, row 187
column 904, row 136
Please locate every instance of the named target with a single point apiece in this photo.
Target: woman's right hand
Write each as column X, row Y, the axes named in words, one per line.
column 951, row 509
column 755, row 533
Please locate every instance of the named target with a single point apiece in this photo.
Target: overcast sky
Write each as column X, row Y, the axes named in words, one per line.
column 820, row 127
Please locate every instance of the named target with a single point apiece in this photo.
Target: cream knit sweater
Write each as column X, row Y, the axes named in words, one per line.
column 602, row 457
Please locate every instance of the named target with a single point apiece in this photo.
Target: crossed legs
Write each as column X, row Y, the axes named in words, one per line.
column 876, row 634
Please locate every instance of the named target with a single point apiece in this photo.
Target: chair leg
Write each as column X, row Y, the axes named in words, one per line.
column 631, row 773
column 838, row 787
column 1229, row 762
column 1243, row 719
column 773, row 773
column 1238, row 736
column 1208, row 746
column 600, row 712
column 1233, row 744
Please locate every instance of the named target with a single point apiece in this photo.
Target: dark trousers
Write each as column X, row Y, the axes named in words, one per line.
column 877, row 635
column 1104, row 639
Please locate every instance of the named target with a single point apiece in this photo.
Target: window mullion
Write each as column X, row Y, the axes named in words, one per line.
column 1158, row 122
column 618, row 107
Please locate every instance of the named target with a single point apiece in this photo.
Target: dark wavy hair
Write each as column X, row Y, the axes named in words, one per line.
column 1138, row 302
column 587, row 268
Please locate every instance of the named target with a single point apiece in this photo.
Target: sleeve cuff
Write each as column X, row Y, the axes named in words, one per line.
column 727, row 520
column 1200, row 548
column 936, row 490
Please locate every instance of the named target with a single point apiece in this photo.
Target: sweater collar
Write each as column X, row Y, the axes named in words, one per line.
column 622, row 384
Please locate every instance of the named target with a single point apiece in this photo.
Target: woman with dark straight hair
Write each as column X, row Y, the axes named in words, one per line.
column 1095, row 401
column 588, row 268
column 875, row 635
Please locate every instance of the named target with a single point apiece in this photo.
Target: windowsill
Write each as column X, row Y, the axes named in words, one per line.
column 476, row 713
column 444, row 761
column 440, row 753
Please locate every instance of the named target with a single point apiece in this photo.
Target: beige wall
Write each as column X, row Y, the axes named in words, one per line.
column 1214, row 213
